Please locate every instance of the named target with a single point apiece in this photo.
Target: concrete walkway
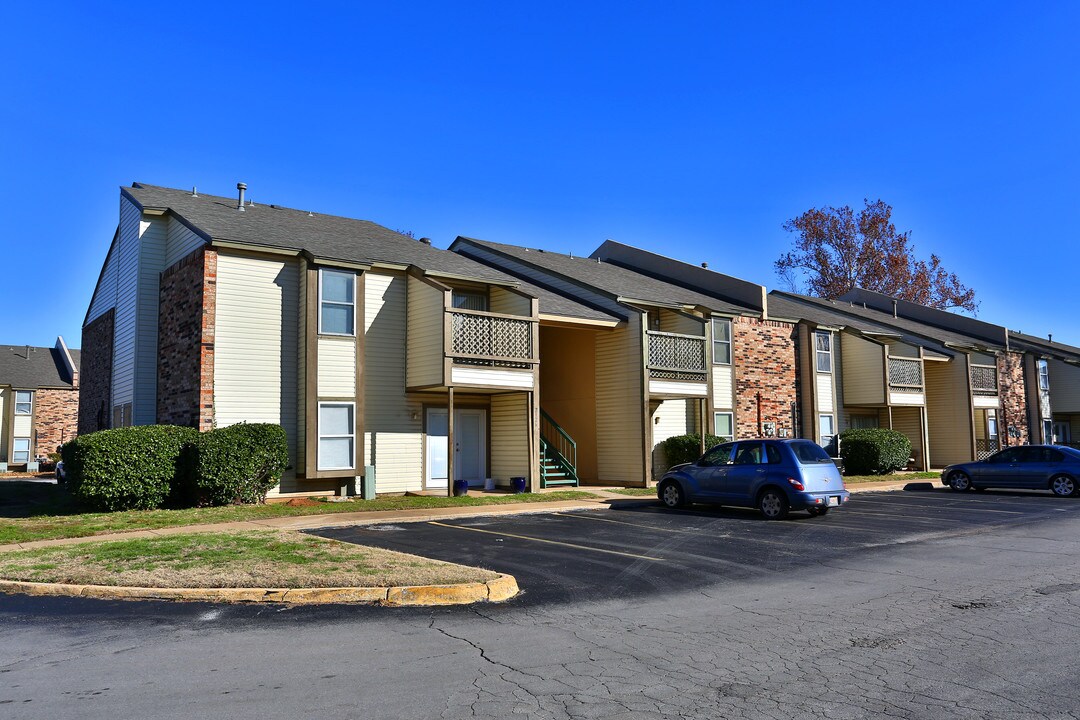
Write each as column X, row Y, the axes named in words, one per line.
column 605, row 499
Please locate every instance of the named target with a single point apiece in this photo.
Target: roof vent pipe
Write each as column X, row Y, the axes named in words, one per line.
column 241, row 187
column 194, row 191
column 426, row 241
column 1050, row 337
column 894, row 308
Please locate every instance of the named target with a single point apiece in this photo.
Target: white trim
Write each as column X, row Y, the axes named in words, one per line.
column 727, row 342
column 351, row 333
column 29, row 402
column 674, row 388
column 731, row 426
column 14, row 451
column 321, row 437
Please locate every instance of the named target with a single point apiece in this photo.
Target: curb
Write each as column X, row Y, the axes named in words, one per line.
column 499, row 589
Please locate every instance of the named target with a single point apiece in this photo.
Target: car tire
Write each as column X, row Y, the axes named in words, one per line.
column 817, row 511
column 959, row 481
column 671, row 494
column 1063, row 486
column 773, row 504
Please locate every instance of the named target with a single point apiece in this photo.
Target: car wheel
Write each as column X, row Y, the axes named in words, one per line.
column 671, row 494
column 1063, row 486
column 817, row 511
column 959, row 481
column 773, row 504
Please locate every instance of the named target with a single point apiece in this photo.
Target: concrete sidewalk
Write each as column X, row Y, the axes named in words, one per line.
column 605, row 499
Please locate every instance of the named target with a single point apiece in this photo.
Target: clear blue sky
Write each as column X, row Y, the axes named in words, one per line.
column 693, row 130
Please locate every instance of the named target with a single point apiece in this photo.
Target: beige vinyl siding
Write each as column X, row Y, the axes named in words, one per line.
column 675, row 322
column 180, row 241
column 22, row 427
column 671, row 418
column 509, row 436
column 806, row 372
column 948, row 412
column 3, row 423
column 864, row 372
column 301, row 363
column 255, row 346
column 1064, row 387
column 908, row 420
column 337, row 367
column 105, row 293
column 824, row 387
column 723, row 387
column 426, row 305
column 508, row 302
column 393, row 423
column 899, row 349
column 619, row 404
column 151, row 263
column 127, row 293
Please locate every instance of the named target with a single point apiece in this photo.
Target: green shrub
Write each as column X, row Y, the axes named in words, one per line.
column 234, row 465
column 686, row 448
column 874, row 451
column 132, row 468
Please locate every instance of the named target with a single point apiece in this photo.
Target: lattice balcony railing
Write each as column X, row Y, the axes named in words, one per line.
column 905, row 373
column 984, row 380
column 985, row 447
column 676, row 357
column 492, row 341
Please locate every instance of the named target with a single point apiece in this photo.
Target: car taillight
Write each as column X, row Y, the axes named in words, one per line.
column 795, row 483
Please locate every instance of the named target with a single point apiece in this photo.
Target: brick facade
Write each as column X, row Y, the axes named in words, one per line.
column 186, row 315
column 765, row 362
column 1013, row 394
column 95, row 375
column 56, row 418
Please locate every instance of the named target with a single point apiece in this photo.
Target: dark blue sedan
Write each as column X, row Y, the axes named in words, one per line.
column 774, row 476
column 1035, row 467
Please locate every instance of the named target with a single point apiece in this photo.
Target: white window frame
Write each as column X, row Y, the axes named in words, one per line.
column 717, row 321
column 731, row 424
column 29, row 403
column 15, row 453
column 352, row 435
column 1044, row 374
column 352, row 331
column 466, row 295
column 832, row 426
column 818, row 353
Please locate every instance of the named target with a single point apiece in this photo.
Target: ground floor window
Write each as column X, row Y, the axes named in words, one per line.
column 722, row 426
column 861, row 422
column 121, row 415
column 1062, row 432
column 20, row 450
column 337, row 436
column 1048, row 431
column 827, row 428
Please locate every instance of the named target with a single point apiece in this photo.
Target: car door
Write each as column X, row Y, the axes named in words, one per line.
column 709, row 472
column 998, row 470
column 747, row 467
column 1053, row 463
column 1031, row 467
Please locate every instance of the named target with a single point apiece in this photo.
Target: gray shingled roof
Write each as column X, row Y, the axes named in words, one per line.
column 1036, row 344
column 41, row 367
column 614, row 280
column 332, row 237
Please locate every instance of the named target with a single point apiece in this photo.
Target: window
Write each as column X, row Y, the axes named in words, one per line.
column 721, row 341
column 20, row 450
column 749, row 453
column 337, row 436
column 807, row 452
column 337, row 314
column 722, row 426
column 861, row 422
column 991, row 424
column 1044, row 375
column 470, row 300
column 1048, row 431
column 719, row 455
column 827, row 428
column 24, row 402
column 823, row 349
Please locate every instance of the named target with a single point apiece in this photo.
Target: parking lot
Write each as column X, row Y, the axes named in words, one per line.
column 641, row 548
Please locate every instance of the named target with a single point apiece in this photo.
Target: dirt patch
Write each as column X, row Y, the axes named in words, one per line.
column 302, row 502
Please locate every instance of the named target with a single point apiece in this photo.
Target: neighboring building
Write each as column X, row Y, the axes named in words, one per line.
column 1052, row 377
column 371, row 349
column 39, row 401
column 693, row 350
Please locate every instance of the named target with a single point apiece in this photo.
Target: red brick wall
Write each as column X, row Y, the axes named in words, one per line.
column 95, row 375
column 1013, row 394
column 185, row 372
column 764, row 354
column 56, row 418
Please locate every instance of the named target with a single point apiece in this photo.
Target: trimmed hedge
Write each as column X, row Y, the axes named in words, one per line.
column 874, row 451
column 233, row 465
column 686, row 448
column 131, row 468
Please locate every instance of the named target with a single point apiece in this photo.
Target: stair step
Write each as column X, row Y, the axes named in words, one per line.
column 560, row 482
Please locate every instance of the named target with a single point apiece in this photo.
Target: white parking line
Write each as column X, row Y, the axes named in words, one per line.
column 544, row 540
column 950, row 507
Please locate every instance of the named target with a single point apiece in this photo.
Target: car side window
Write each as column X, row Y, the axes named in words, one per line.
column 719, row 455
column 1006, row 456
column 1029, row 454
column 749, row 454
column 773, row 454
column 1052, row 455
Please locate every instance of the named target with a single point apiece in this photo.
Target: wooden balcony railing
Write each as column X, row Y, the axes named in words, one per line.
column 491, row 339
column 905, row 373
column 676, row 357
column 984, row 380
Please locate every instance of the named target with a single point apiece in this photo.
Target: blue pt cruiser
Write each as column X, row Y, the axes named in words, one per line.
column 774, row 476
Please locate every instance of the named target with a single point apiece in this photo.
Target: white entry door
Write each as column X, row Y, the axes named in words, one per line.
column 470, row 447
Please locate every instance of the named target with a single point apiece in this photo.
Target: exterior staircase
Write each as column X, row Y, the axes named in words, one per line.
column 558, row 454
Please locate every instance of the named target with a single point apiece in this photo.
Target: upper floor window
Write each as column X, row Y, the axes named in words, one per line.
column 721, row 341
column 24, row 402
column 470, row 300
column 823, row 350
column 337, row 302
column 1044, row 375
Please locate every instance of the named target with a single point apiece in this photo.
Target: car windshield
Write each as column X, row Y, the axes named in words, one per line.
column 809, row 453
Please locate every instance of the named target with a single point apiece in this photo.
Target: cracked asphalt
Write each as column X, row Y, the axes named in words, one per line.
column 907, row 605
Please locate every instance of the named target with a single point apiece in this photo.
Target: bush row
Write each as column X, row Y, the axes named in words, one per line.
column 874, row 451
column 686, row 448
column 153, row 466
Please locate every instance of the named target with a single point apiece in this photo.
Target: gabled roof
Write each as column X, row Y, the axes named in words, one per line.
column 617, row 282
column 330, row 237
column 29, row 368
column 942, row 319
column 1042, row 346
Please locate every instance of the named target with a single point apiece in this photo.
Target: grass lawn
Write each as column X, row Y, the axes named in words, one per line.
column 244, row 559
column 894, row 477
column 39, row 511
column 635, row 492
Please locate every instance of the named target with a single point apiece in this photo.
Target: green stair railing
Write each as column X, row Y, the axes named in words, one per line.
column 558, row 454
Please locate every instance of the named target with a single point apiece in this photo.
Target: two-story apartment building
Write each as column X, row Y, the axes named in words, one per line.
column 39, row 402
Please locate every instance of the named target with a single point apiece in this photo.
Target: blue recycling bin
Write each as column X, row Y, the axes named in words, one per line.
column 461, row 488
column 517, row 484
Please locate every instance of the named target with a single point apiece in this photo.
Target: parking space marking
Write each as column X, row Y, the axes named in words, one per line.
column 623, row 522
column 950, row 507
column 544, row 540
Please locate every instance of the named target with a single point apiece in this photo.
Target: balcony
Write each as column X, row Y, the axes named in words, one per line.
column 677, row 357
column 491, row 340
column 905, row 374
column 984, row 380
